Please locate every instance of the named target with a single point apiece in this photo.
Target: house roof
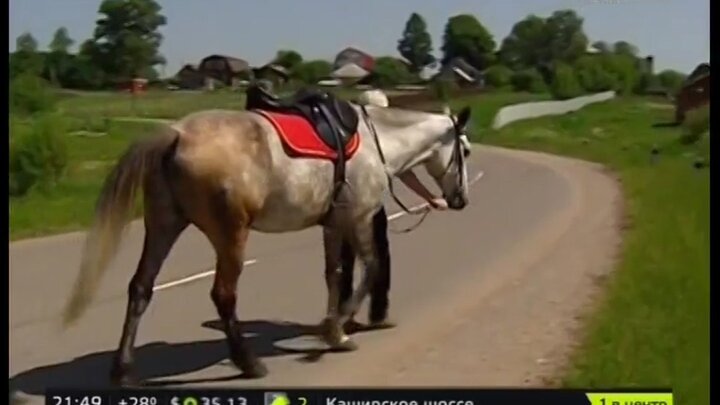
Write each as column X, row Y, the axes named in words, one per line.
column 701, row 70
column 463, row 65
column 354, row 55
column 462, row 74
column 353, row 49
column 236, row 64
column 279, row 69
column 350, row 71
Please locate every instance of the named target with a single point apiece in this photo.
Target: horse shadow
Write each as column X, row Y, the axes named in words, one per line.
column 158, row 360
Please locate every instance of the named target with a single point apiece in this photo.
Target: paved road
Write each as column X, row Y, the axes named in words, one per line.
column 484, row 296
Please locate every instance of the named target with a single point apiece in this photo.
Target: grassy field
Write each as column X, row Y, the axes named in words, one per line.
column 69, row 206
column 153, row 104
column 652, row 327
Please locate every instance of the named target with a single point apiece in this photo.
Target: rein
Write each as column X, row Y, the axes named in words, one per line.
column 425, row 209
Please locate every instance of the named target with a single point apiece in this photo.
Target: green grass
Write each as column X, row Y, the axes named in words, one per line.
column 652, row 326
column 69, row 206
column 153, row 104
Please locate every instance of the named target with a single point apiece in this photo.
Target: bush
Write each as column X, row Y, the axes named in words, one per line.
column 564, row 82
column 696, row 124
column 443, row 89
column 312, row 71
column 38, row 153
column 592, row 76
column 498, row 76
column 30, row 95
column 647, row 82
column 389, row 72
column 529, row 80
column 671, row 80
column 624, row 69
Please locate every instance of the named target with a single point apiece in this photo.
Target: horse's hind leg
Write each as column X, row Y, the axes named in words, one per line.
column 230, row 252
column 335, row 246
column 379, row 291
column 363, row 240
column 163, row 225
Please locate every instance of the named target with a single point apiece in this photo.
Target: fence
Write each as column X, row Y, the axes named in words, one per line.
column 523, row 111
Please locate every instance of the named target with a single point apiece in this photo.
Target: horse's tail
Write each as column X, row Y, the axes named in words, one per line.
column 113, row 211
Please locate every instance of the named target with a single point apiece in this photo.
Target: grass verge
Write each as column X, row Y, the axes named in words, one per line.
column 651, row 328
column 69, row 205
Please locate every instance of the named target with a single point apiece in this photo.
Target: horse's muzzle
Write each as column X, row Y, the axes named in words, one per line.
column 457, row 202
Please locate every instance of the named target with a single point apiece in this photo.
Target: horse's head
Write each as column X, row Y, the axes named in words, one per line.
column 437, row 141
column 447, row 163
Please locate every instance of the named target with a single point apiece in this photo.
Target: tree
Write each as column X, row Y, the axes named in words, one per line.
column 465, row 37
column 625, row 48
column 537, row 42
column 26, row 43
column 288, row 59
column 61, row 41
column 25, row 59
column 567, row 39
column 58, row 60
column 498, row 76
column 82, row 72
column 312, row 71
column 602, row 46
column 126, row 40
column 526, row 46
column 416, row 44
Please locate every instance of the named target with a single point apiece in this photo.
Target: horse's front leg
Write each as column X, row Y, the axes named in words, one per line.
column 379, row 291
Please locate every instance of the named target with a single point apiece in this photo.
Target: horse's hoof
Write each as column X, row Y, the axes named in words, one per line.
column 352, row 326
column 251, row 369
column 124, row 379
column 344, row 345
column 381, row 324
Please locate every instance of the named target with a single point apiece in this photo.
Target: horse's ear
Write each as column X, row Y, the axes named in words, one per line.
column 464, row 117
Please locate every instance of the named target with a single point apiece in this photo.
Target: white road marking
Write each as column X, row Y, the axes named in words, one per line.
column 194, row 277
column 250, row 262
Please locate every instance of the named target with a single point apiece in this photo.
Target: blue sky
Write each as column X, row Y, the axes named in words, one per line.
column 676, row 32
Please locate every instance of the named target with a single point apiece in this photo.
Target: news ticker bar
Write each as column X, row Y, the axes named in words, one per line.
column 358, row 397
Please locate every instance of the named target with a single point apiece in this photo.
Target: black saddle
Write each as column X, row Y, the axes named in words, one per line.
column 334, row 120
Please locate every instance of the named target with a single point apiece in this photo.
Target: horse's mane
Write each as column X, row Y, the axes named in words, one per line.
column 399, row 117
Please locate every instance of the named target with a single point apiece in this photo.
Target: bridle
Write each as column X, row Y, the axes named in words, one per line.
column 457, row 156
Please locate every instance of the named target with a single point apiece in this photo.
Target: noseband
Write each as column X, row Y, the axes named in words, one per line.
column 457, row 156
